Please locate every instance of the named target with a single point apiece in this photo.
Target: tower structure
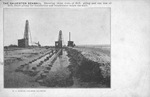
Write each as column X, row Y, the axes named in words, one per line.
column 25, row 41
column 26, row 33
column 70, row 43
column 58, row 44
column 60, row 36
column 69, row 37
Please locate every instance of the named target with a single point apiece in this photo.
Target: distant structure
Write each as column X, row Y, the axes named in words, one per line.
column 38, row 44
column 70, row 43
column 58, row 44
column 25, row 41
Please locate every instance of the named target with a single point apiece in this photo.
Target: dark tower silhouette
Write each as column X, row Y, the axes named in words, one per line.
column 70, row 43
column 25, row 41
column 26, row 33
column 58, row 44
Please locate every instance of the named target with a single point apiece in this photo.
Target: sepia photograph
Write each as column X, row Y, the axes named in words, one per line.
column 57, row 47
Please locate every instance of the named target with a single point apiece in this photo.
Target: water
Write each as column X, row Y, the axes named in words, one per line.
column 59, row 75
column 61, row 62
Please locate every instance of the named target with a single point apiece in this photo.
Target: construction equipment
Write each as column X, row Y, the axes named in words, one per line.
column 25, row 41
column 58, row 44
column 70, row 43
column 38, row 44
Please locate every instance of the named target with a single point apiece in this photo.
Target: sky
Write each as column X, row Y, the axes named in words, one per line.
column 88, row 26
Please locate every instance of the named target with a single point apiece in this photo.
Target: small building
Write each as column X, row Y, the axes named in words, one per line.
column 23, row 43
column 71, row 43
column 58, row 44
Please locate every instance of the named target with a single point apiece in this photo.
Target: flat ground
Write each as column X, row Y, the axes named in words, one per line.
column 46, row 67
column 15, row 57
